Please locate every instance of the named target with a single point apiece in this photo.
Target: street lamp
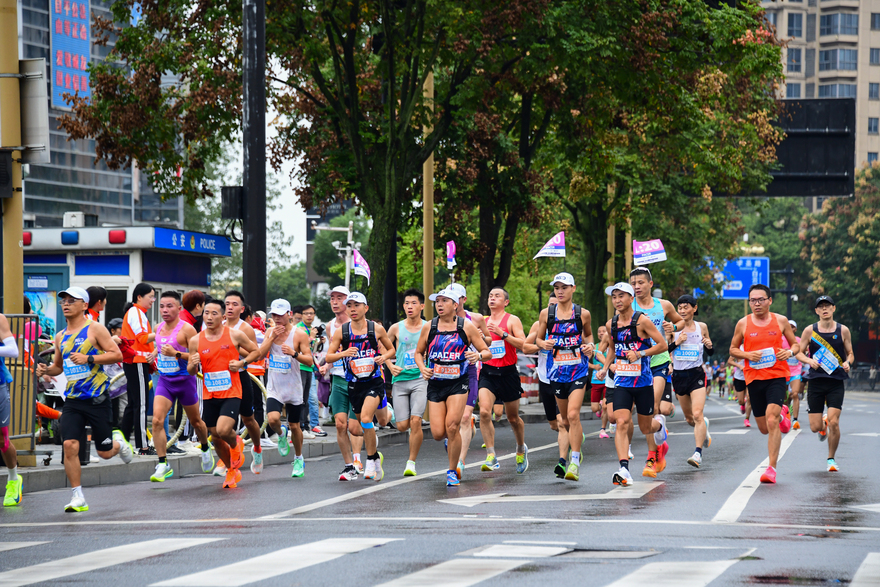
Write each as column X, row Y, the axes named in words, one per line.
column 350, row 244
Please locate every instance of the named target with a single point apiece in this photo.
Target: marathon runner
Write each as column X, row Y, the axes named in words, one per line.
column 445, row 342
column 409, row 391
column 310, row 421
column 137, row 330
column 831, row 358
column 795, row 382
column 565, row 331
column 597, row 386
column 688, row 377
column 175, row 384
column 81, row 351
column 217, row 350
column 636, row 339
column 283, row 344
column 8, row 350
column 499, row 379
column 739, row 385
column 356, row 343
column 760, row 334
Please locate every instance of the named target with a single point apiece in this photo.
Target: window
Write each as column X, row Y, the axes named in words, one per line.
column 873, row 126
column 772, row 18
column 872, row 157
column 873, row 91
column 849, row 24
column 848, row 59
column 875, row 56
column 875, row 21
column 839, row 24
column 837, row 91
column 792, row 90
column 794, row 60
column 828, row 60
column 795, row 25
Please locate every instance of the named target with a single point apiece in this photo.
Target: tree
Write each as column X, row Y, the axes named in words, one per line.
column 330, row 262
column 289, row 283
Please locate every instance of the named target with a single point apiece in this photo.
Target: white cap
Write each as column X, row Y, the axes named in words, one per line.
column 356, row 296
column 449, row 292
column 793, row 323
column 563, row 278
column 76, row 292
column 279, row 307
column 454, row 288
column 261, row 314
column 340, row 289
column 622, row 286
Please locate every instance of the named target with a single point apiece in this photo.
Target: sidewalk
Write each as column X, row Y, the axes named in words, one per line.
column 115, row 472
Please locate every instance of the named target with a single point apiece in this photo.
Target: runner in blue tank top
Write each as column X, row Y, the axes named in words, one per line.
column 632, row 336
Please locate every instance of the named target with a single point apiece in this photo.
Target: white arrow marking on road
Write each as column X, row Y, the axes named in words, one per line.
column 636, row 491
column 868, row 574
column 681, row 574
column 874, row 507
column 871, row 434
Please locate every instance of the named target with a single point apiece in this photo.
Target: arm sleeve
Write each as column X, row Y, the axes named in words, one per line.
column 711, row 351
column 9, row 349
column 672, row 346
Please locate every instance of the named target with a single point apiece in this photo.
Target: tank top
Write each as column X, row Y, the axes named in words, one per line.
column 337, row 368
column 657, row 316
column 285, row 381
column 215, row 355
column 170, row 366
column 406, row 352
column 766, row 340
column 637, row 374
column 597, row 366
column 542, row 366
column 503, row 353
column 446, row 356
column 363, row 367
column 566, row 364
column 308, row 329
column 737, row 372
column 690, row 354
column 828, row 350
column 83, row 381
column 794, row 366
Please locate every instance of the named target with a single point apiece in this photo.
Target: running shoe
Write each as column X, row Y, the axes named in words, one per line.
column 410, row 470
column 559, row 469
column 769, row 475
column 257, row 463
column 236, row 454
column 629, row 452
column 661, row 435
column 650, row 469
column 233, row 476
column 459, row 470
column 147, row 452
column 283, row 442
column 358, row 466
column 393, row 418
column 612, row 429
column 318, row 431
column 452, row 479
column 207, row 460
column 823, row 434
column 785, row 422
column 13, row 492
column 696, row 460
column 622, row 477
column 572, row 474
column 708, row 442
column 125, row 450
column 661, row 457
column 174, row 450
column 483, row 445
column 742, row 408
column 672, row 413
column 603, row 434
column 349, row 473
column 77, row 504
column 308, row 434
column 370, row 472
column 795, row 425
column 491, row 463
column 299, row 468
column 832, row 468
column 522, row 461
column 446, row 445
column 747, row 423
column 163, row 471
column 379, row 471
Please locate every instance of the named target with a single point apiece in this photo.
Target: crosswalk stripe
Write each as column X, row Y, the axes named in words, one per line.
column 683, row 574
column 97, row 559
column 522, row 551
column 4, row 546
column 868, row 574
column 456, row 573
column 277, row 563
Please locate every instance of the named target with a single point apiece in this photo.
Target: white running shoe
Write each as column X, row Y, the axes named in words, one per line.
column 207, row 458
column 77, row 504
column 370, row 472
column 661, row 435
column 220, row 470
column 696, row 460
column 629, row 452
column 308, row 435
column 622, row 477
column 125, row 450
column 358, row 466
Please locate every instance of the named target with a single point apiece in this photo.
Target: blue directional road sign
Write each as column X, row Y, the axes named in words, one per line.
column 739, row 275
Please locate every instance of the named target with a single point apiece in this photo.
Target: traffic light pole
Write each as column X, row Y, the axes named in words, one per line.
column 789, row 287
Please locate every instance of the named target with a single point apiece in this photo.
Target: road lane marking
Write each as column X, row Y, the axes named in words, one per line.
column 734, row 431
column 868, row 573
column 98, row 559
column 274, row 564
column 456, row 573
column 870, row 434
column 635, row 492
column 522, row 551
column 551, row 542
column 4, row 546
column 873, row 507
column 681, row 574
column 736, row 503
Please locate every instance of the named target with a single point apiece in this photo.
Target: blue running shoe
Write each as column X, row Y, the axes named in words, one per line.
column 452, row 479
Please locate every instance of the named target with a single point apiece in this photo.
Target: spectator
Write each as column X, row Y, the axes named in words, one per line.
column 97, row 302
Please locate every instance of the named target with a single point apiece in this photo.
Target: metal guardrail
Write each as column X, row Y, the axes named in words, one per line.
column 23, row 388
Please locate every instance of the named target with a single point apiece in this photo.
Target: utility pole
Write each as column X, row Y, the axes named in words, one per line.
column 789, row 287
column 428, row 205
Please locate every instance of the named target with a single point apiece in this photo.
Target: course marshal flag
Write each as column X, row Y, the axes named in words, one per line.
column 450, row 255
column 555, row 247
column 360, row 265
column 646, row 252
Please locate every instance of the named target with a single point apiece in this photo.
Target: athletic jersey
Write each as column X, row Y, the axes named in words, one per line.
column 542, row 366
column 170, row 366
column 445, row 356
column 337, row 368
column 83, row 381
column 626, row 338
column 657, row 317
column 363, row 367
column 596, row 363
column 503, row 353
column 794, row 365
column 3, row 379
column 406, row 352
column 566, row 363
column 737, row 372
column 284, row 380
column 765, row 340
column 689, row 354
column 136, row 327
column 215, row 355
column 828, row 350
column 308, row 330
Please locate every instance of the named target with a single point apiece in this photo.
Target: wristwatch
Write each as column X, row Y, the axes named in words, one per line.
column 177, row 355
column 295, row 354
column 91, row 360
column 642, row 354
column 504, row 335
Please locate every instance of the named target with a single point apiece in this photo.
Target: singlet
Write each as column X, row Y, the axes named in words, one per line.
column 406, row 352
column 308, row 330
column 766, row 340
column 657, row 317
column 445, row 356
column 828, row 350
column 690, row 354
column 170, row 366
column 215, row 355
column 83, row 381
column 503, row 353
column 363, row 367
column 596, row 362
column 737, row 372
column 338, row 368
column 794, row 365
column 136, row 324
column 626, row 338
column 566, row 363
column 285, row 382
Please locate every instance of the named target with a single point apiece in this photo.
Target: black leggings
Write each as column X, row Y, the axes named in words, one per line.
column 134, row 419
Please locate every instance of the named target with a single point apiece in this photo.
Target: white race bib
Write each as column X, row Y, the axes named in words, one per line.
column 167, row 365
column 768, row 359
column 688, row 352
column 409, row 361
column 826, row 360
column 447, row 371
column 362, row 368
column 627, row 369
column 74, row 372
column 279, row 363
column 218, row 381
column 497, row 349
column 793, row 362
column 567, row 357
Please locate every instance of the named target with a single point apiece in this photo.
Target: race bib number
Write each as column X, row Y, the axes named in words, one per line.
column 409, row 361
column 218, row 381
column 688, row 352
column 627, row 369
column 279, row 363
column 447, row 371
column 768, row 359
column 568, row 357
column 362, row 368
column 793, row 362
column 74, row 372
column 497, row 349
column 826, row 360
column 167, row 365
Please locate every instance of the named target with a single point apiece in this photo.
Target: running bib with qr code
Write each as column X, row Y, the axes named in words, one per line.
column 497, row 349
column 409, row 361
column 362, row 368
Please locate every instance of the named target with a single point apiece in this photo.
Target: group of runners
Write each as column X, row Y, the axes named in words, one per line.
column 444, row 368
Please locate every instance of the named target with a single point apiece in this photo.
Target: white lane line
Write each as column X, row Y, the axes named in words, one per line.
column 637, row 491
column 734, row 431
column 456, row 573
column 98, row 559
column 874, row 507
column 4, row 546
column 736, row 503
column 551, row 542
column 682, row 574
column 521, row 551
column 280, row 562
column 868, row 573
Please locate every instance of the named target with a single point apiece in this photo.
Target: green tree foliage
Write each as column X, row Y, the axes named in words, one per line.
column 330, row 262
column 288, row 283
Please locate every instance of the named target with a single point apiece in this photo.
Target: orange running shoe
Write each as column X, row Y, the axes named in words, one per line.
column 237, row 453
column 661, row 457
column 233, row 476
column 650, row 469
column 823, row 434
column 795, row 425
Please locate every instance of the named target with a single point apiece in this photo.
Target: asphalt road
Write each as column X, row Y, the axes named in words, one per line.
column 691, row 527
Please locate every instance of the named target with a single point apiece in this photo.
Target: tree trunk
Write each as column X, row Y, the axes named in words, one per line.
column 383, row 238
column 591, row 224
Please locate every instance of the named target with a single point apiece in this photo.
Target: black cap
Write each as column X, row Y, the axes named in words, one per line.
column 115, row 323
column 822, row 299
column 688, row 299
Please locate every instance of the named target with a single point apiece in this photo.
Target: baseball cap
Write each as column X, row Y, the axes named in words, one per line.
column 622, row 286
column 356, row 296
column 76, row 292
column 819, row 300
column 452, row 294
column 115, row 323
column 455, row 288
column 279, row 307
column 688, row 299
column 793, row 323
column 563, row 278
column 340, row 289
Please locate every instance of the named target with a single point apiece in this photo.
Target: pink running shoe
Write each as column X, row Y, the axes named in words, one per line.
column 747, row 423
column 785, row 423
column 769, row 475
column 603, row 434
column 742, row 408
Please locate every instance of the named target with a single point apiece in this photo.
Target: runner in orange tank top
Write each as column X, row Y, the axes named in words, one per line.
column 217, row 350
column 766, row 370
